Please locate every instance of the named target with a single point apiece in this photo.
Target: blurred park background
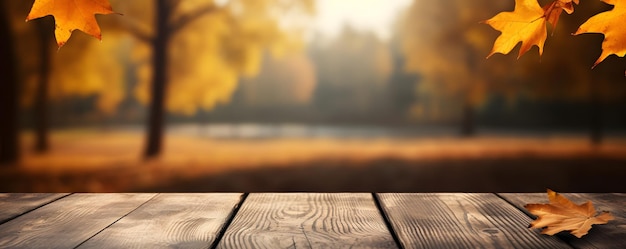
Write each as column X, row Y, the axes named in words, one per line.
column 306, row 95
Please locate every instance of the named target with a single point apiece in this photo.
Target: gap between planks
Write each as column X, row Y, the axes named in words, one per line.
column 35, row 208
column 94, row 235
column 385, row 216
column 229, row 221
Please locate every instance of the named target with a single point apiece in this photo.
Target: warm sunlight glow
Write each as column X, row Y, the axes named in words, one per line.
column 371, row 15
column 309, row 95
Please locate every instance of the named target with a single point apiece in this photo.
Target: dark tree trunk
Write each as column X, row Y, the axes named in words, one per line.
column 9, row 143
column 41, row 96
column 159, row 80
column 468, row 128
column 467, row 124
column 595, row 116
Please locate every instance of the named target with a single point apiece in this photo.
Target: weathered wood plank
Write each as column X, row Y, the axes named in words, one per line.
column 15, row 204
column 69, row 221
column 611, row 235
column 308, row 220
column 170, row 221
column 449, row 220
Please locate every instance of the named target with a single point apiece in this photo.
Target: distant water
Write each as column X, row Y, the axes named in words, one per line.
column 271, row 131
column 268, row 131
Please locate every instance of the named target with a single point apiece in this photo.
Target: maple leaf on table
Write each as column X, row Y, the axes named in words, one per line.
column 70, row 15
column 563, row 215
column 611, row 24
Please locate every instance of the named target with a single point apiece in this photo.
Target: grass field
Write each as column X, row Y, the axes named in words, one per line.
column 91, row 161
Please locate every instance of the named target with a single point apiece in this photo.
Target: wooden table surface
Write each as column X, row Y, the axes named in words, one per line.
column 292, row 220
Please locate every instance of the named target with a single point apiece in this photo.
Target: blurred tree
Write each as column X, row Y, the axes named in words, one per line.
column 565, row 73
column 444, row 44
column 353, row 71
column 204, row 46
column 286, row 81
column 282, row 91
column 34, row 61
column 41, row 111
column 9, row 144
column 85, row 69
column 402, row 84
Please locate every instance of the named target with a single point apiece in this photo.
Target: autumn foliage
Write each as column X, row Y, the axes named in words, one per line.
column 528, row 24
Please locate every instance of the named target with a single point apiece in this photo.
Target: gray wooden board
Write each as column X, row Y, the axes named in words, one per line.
column 308, row 220
column 15, row 204
column 170, row 221
column 454, row 220
column 611, row 235
column 68, row 222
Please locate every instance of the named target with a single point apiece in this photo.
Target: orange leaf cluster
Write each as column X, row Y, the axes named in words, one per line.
column 563, row 215
column 70, row 15
column 527, row 24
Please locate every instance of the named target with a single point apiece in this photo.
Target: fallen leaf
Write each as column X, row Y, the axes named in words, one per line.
column 70, row 15
column 611, row 24
column 526, row 24
column 563, row 215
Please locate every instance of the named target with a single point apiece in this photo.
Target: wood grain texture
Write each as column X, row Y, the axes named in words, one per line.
column 14, row 204
column 610, row 235
column 170, row 221
column 69, row 221
column 449, row 220
column 308, row 220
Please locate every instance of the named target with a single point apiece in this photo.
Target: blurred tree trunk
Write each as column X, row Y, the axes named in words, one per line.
column 468, row 128
column 595, row 115
column 41, row 111
column 159, row 80
column 164, row 29
column 467, row 123
column 9, row 143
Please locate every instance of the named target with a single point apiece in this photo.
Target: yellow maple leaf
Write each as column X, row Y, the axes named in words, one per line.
column 70, row 15
column 526, row 24
column 611, row 24
column 563, row 215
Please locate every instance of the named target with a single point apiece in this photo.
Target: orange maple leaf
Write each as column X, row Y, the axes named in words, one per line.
column 611, row 24
column 70, row 15
column 563, row 215
column 527, row 24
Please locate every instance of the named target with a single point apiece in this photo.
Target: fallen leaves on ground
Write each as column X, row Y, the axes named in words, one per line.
column 70, row 15
column 561, row 214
